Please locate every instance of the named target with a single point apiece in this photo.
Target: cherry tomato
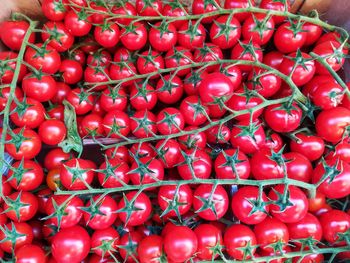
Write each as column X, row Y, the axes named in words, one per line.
column 209, row 237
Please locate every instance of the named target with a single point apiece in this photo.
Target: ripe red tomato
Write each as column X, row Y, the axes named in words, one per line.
column 71, row 245
column 153, row 8
column 26, row 203
column 7, row 69
column 265, row 84
column 95, row 75
column 270, row 231
column 23, row 229
column 134, row 36
column 56, row 35
column 263, row 166
column 71, row 70
column 209, row 238
column 193, row 111
column 245, row 205
column 175, row 201
column 55, row 157
column 104, row 241
column 308, row 227
column 291, row 33
column 333, row 177
column 237, row 237
column 146, row 170
column 328, row 95
column 194, row 163
column 169, row 89
column 283, row 118
column 27, row 112
column 52, row 132
column 150, row 249
column 225, row 31
column 291, row 209
column 298, row 167
column 247, row 51
column 169, row 152
column 65, row 210
column 30, row 253
column 331, row 124
column 191, row 35
column 116, row 124
column 180, row 244
column 197, row 140
column 162, row 36
column 100, row 211
column 258, row 28
column 23, row 144
column 203, row 7
column 313, row 33
column 113, row 173
column 15, row 32
column 210, row 203
column 77, row 174
column 41, row 88
column 54, row 10
column 107, row 35
column 128, row 246
column 234, row 4
column 232, row 164
column 125, row 8
column 310, row 146
column 77, row 24
column 215, row 85
column 277, row 6
column 134, row 208
column 25, row 175
column 170, row 121
column 334, row 223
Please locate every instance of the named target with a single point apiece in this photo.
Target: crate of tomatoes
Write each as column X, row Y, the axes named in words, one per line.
column 167, row 131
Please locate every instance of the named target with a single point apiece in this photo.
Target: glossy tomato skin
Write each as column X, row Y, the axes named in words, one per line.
column 75, row 172
column 233, row 4
column 124, row 9
column 307, row 227
column 242, row 206
column 154, row 172
column 162, row 41
column 134, row 40
column 120, row 173
column 139, row 216
column 182, row 194
column 169, row 89
column 313, row 33
column 49, row 62
column 301, row 74
column 180, row 244
column 27, row 211
column 71, row 245
column 263, row 167
column 71, row 70
column 116, row 124
column 222, row 39
column 30, row 253
column 176, row 117
column 232, row 164
column 193, row 110
column 42, row 89
column 217, row 197
column 33, row 116
column 273, row 59
column 270, row 231
column 250, row 31
column 54, row 158
column 29, row 148
column 184, row 35
column 297, row 204
column 337, row 182
column 113, row 99
column 192, row 141
column 106, row 214
column 63, row 41
column 52, row 132
column 15, row 32
column 201, row 164
column 53, row 10
column 298, row 167
column 22, row 229
column 73, row 214
column 105, row 236
column 80, row 107
column 285, row 35
column 150, row 249
column 208, row 236
column 215, row 85
column 331, row 124
column 7, row 70
column 266, row 85
column 333, row 223
column 238, row 236
column 281, row 119
column 76, row 26
column 277, row 6
column 30, row 179
column 310, row 146
column 132, row 239
column 239, row 53
column 107, row 37
column 169, row 151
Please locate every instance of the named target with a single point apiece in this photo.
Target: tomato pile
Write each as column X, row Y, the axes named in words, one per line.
column 220, row 132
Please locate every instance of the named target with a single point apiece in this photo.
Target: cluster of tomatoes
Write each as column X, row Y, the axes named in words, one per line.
column 228, row 134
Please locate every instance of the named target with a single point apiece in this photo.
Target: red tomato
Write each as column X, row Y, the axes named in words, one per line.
column 23, row 144
column 236, row 238
column 234, row 4
column 270, row 231
column 333, row 178
column 52, row 132
column 30, row 253
column 331, row 124
column 290, row 206
column 134, row 36
column 41, row 88
column 64, row 210
column 7, row 69
column 21, row 206
column 113, row 99
column 203, row 7
column 310, row 146
column 170, row 121
column 128, row 246
column 55, row 157
column 298, row 167
column 247, row 51
column 264, row 165
column 77, row 24
column 193, row 111
column 191, row 35
column 168, row 152
column 180, row 244
column 104, row 241
column 169, row 89
column 25, row 237
column 71, row 70
column 27, row 112
column 265, row 84
column 25, row 175
column 14, row 33
column 77, row 174
column 259, row 28
column 153, row 8
column 56, row 35
column 334, row 223
column 308, row 227
column 124, row 8
column 71, row 245
column 313, row 33
column 209, row 238
column 54, row 10
column 162, row 36
column 215, row 85
column 232, row 164
column 146, row 170
column 245, row 205
column 116, row 124
column 107, row 35
column 276, row 6
column 225, row 31
column 134, row 208
column 210, row 202
column 291, row 33
column 195, row 163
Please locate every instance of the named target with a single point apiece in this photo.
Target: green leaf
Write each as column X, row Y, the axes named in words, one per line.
column 73, row 140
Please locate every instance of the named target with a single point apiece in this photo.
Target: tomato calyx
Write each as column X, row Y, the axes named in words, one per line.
column 150, row 57
column 130, row 248
column 299, row 60
column 144, row 123
column 296, row 26
column 173, row 205
column 345, row 236
column 163, row 28
column 11, row 235
column 93, row 209
column 231, row 161
column 330, row 171
column 283, row 199
column 225, row 29
column 58, row 213
column 261, row 26
column 107, row 247
column 77, row 173
column 277, row 247
column 248, row 48
column 54, row 33
column 249, row 130
column 21, row 106
column 15, row 205
column 170, row 120
column 142, row 168
column 129, row 208
column 18, row 172
column 192, row 30
column 17, row 138
column 207, row 203
column 279, row 159
column 109, row 171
